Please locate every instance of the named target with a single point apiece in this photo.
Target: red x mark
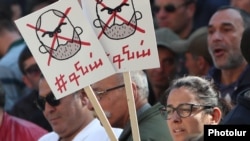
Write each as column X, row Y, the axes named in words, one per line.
column 61, row 37
column 119, row 17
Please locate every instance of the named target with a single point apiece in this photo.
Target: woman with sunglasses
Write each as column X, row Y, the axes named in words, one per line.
column 192, row 102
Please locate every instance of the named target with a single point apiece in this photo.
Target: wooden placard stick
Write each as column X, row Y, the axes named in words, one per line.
column 131, row 106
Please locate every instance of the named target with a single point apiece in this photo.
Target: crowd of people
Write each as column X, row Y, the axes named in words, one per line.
column 203, row 79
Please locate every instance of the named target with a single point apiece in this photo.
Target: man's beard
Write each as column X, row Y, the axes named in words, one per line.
column 67, row 50
column 121, row 31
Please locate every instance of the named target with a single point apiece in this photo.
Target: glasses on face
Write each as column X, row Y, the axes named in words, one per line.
column 183, row 110
column 170, row 8
column 33, row 70
column 100, row 94
column 50, row 98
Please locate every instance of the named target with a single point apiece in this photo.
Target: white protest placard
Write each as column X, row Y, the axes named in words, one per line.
column 125, row 29
column 65, row 47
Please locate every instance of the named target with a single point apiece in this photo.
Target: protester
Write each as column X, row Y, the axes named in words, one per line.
column 175, row 14
column 241, row 112
column 231, row 71
column 11, row 41
column 69, row 117
column 16, row 129
column 160, row 78
column 25, row 107
column 192, row 102
column 198, row 60
column 111, row 94
column 11, row 45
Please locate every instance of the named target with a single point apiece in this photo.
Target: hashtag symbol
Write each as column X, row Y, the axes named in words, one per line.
column 61, row 83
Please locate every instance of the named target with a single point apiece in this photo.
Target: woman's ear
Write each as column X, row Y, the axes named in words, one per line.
column 216, row 116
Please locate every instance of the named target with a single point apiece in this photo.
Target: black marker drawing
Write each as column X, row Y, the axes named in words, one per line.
column 117, row 18
column 57, row 35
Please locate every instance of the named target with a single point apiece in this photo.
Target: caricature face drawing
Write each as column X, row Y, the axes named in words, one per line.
column 57, row 35
column 117, row 18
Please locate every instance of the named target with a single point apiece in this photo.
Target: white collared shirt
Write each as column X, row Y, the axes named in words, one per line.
column 94, row 131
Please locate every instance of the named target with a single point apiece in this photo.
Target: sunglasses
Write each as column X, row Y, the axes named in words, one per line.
column 50, row 98
column 170, row 8
column 33, row 70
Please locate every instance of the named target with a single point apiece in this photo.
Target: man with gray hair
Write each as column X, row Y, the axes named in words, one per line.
column 111, row 94
column 231, row 73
